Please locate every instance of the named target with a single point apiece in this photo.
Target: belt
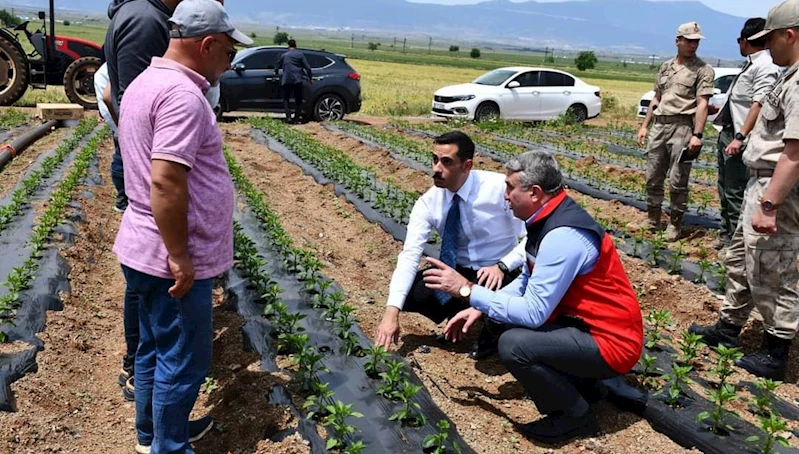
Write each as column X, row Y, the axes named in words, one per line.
column 672, row 119
column 761, row 173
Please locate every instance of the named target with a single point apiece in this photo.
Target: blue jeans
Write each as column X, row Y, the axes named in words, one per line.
column 118, row 176
column 175, row 346
column 131, row 322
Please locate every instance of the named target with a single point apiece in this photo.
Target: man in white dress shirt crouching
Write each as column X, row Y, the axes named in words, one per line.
column 479, row 238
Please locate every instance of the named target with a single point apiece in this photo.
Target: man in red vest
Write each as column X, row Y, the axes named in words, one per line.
column 572, row 317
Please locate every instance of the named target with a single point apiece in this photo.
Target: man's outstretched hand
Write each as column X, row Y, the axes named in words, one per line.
column 389, row 329
column 459, row 325
column 443, row 278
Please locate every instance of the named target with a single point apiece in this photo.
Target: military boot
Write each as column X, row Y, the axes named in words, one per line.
column 770, row 361
column 674, row 230
column 722, row 333
column 652, row 222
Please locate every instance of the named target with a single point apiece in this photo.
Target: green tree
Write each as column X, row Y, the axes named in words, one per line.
column 66, row 23
column 454, row 48
column 373, row 46
column 475, row 53
column 281, row 38
column 253, row 35
column 8, row 19
column 549, row 59
column 586, row 60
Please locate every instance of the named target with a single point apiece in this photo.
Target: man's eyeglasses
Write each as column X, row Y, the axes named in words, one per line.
column 231, row 51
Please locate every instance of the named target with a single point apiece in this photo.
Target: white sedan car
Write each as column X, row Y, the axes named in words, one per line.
column 724, row 78
column 519, row 93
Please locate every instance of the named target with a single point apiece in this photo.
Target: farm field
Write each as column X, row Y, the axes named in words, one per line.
column 320, row 257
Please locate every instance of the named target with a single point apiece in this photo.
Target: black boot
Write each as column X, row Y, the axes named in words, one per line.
column 559, row 428
column 485, row 346
column 722, row 333
column 770, row 361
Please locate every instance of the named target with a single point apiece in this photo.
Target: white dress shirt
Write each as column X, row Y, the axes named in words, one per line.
column 490, row 232
column 752, row 84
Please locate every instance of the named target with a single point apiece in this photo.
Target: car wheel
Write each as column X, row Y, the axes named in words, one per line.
column 578, row 112
column 328, row 107
column 486, row 111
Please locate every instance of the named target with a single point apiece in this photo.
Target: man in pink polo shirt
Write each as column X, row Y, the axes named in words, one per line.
column 177, row 233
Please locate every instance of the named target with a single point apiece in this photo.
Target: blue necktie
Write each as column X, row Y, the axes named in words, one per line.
column 449, row 242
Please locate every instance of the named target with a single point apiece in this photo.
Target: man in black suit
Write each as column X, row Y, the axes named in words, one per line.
column 294, row 64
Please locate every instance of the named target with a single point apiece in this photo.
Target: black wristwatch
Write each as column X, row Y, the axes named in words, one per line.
column 699, row 135
column 502, row 267
column 739, row 136
column 767, row 206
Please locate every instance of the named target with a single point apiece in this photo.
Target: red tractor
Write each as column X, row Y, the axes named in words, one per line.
column 54, row 60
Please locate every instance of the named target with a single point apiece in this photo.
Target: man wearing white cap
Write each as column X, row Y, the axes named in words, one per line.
column 683, row 89
column 177, row 233
column 761, row 260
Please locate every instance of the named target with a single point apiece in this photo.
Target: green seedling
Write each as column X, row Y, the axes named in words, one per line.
column 277, row 309
column 351, row 345
column 638, row 241
column 392, row 379
column 309, row 364
column 720, row 397
column 771, row 425
column 648, row 364
column 658, row 244
column 437, row 443
column 677, row 382
column 721, row 276
column 675, row 265
column 210, row 385
column 336, row 421
column 411, row 413
column 705, row 265
column 315, row 403
column 289, row 322
column 763, row 398
column 658, row 321
column 272, row 293
column 292, row 342
column 376, row 359
column 689, row 345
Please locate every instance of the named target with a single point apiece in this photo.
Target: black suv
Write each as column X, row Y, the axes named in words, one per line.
column 252, row 84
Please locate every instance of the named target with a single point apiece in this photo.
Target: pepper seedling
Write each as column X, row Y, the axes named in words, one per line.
column 689, row 345
column 392, row 379
column 771, row 425
column 677, row 381
column 315, row 403
column 763, row 398
column 377, row 357
column 337, row 422
column 437, row 443
column 658, row 320
column 411, row 413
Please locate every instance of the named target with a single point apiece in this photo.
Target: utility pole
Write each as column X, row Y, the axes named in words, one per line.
column 653, row 60
column 718, row 65
column 430, row 46
column 395, row 43
column 404, row 41
column 352, row 41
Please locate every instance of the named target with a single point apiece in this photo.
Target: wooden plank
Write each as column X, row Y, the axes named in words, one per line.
column 51, row 111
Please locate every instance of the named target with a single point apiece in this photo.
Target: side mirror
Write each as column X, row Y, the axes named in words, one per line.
column 239, row 67
column 41, row 15
column 716, row 91
column 514, row 84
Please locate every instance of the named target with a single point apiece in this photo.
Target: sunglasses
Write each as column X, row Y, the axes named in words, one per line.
column 231, row 51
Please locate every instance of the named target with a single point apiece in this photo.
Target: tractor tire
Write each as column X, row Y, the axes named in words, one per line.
column 79, row 82
column 13, row 73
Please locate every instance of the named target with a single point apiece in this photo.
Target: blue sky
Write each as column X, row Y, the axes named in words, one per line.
column 742, row 8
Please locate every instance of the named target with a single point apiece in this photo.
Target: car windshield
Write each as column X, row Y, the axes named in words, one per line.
column 495, row 77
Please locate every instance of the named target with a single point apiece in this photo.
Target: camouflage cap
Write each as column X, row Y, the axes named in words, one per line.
column 691, row 30
column 785, row 15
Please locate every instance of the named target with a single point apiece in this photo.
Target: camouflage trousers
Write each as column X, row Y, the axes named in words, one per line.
column 665, row 143
column 761, row 269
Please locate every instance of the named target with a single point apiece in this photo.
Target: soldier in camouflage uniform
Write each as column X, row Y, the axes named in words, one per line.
column 761, row 260
column 683, row 89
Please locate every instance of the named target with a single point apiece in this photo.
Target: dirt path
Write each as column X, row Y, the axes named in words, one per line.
column 481, row 398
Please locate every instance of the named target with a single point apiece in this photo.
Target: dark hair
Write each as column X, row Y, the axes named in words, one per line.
column 753, row 26
column 292, row 43
column 464, row 143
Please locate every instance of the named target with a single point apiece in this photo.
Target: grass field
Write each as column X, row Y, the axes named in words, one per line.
column 404, row 84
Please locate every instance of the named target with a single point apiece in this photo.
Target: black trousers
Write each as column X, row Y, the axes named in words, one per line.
column 288, row 90
column 558, row 365
column 422, row 300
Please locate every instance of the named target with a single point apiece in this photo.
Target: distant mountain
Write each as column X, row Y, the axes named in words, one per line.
column 638, row 26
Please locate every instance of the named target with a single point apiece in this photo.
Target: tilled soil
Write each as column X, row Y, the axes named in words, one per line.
column 698, row 241
column 481, row 398
column 73, row 403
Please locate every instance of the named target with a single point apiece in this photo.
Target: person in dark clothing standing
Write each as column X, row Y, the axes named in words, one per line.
column 138, row 31
column 293, row 63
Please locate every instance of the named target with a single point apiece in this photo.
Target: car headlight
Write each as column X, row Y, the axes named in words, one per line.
column 463, row 98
